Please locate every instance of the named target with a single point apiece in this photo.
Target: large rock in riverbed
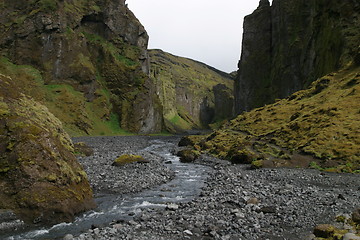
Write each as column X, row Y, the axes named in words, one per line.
column 40, row 178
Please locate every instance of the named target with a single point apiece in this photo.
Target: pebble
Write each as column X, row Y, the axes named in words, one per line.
column 68, row 237
column 188, row 232
column 172, row 207
column 351, row 236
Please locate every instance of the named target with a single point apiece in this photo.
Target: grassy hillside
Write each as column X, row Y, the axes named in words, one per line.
column 318, row 127
column 78, row 115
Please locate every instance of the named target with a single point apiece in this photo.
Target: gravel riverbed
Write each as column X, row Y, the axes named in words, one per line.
column 129, row 178
column 236, row 203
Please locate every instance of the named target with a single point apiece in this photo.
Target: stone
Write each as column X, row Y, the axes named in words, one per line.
column 188, row 232
column 356, row 216
column 324, row 230
column 187, row 155
column 128, row 158
column 252, row 201
column 68, row 237
column 118, row 226
column 172, row 207
column 351, row 236
column 268, row 209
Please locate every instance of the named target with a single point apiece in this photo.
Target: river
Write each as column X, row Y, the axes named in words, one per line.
column 185, row 186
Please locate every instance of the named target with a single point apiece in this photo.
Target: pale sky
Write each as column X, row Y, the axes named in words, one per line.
column 208, row 31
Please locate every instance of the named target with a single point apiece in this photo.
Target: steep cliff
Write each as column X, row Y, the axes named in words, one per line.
column 92, row 56
column 193, row 95
column 290, row 44
column 40, row 178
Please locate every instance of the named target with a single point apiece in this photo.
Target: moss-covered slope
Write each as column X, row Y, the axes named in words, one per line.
column 40, row 178
column 317, row 127
column 290, row 44
column 92, row 56
column 193, row 95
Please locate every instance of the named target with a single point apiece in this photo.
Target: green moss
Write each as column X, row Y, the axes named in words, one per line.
column 4, row 109
column 48, row 5
column 257, row 164
column 127, row 158
column 314, row 165
column 128, row 58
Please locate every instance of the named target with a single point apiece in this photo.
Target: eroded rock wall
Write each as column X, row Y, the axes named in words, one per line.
column 290, row 44
column 97, row 47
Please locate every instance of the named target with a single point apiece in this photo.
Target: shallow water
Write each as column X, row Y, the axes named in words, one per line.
column 186, row 185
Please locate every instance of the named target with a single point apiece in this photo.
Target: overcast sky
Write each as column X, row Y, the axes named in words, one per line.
column 209, row 31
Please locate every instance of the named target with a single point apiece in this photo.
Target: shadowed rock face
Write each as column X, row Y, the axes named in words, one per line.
column 193, row 95
column 98, row 48
column 290, row 44
column 40, row 178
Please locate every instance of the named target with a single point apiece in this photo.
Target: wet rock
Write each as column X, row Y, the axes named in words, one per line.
column 187, row 155
column 186, row 141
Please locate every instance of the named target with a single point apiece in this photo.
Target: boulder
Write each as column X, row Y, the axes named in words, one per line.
column 40, row 177
column 188, row 155
column 356, row 216
column 324, row 230
column 129, row 158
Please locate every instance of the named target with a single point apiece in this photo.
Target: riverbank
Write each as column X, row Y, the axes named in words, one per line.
column 238, row 203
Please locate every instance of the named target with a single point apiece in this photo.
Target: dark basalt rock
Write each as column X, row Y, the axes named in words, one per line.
column 290, row 44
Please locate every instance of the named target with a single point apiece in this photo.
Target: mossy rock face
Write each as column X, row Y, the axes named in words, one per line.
column 129, row 158
column 40, row 177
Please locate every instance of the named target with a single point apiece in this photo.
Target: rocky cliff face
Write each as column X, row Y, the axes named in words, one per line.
column 193, row 95
column 93, row 59
column 290, row 44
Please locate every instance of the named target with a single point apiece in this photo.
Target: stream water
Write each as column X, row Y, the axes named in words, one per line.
column 186, row 185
